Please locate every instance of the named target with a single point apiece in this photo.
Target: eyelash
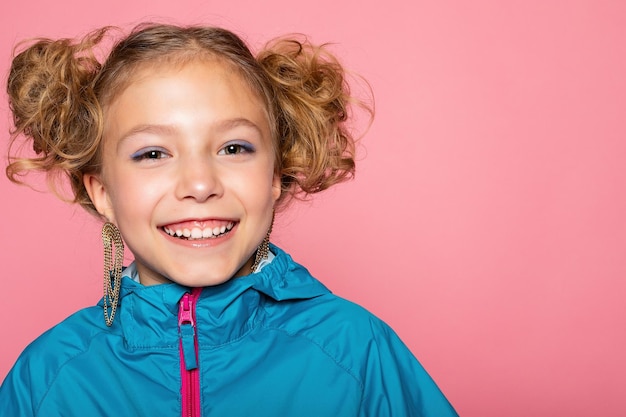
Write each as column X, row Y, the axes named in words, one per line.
column 152, row 154
column 238, row 148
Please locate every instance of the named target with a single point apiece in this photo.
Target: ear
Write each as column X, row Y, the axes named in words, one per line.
column 99, row 196
column 276, row 187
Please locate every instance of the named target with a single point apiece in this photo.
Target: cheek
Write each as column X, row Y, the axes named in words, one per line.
column 131, row 194
column 255, row 186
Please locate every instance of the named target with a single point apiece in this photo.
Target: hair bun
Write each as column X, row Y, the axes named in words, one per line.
column 312, row 105
column 47, row 86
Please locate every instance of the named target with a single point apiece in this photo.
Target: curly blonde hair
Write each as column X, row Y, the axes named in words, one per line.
column 58, row 88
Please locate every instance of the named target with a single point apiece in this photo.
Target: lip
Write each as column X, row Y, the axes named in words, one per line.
column 200, row 243
column 200, row 222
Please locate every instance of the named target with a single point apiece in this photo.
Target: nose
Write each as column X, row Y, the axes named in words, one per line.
column 198, row 179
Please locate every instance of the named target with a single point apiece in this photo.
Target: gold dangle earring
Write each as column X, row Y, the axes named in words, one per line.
column 264, row 247
column 111, row 237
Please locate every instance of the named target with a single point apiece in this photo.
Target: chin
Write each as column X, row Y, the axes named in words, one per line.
column 202, row 279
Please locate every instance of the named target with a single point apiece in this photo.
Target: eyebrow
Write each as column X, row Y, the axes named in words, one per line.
column 236, row 122
column 170, row 130
column 166, row 130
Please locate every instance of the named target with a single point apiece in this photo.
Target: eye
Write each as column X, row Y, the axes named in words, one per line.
column 151, row 154
column 236, row 148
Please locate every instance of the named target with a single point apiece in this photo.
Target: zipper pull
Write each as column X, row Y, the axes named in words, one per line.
column 187, row 332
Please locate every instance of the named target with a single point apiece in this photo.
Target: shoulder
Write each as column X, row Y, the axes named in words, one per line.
column 392, row 380
column 300, row 304
column 329, row 311
column 37, row 368
column 344, row 330
column 68, row 338
column 306, row 308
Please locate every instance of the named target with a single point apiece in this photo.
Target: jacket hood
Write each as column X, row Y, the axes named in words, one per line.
column 147, row 314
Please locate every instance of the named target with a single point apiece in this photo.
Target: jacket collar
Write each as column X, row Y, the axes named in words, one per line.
column 283, row 279
column 148, row 315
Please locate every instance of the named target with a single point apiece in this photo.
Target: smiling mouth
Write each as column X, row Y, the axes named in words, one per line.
column 198, row 233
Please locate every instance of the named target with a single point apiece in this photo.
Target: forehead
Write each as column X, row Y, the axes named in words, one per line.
column 163, row 90
column 171, row 63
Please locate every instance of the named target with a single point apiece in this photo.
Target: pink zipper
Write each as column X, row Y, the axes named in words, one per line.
column 190, row 390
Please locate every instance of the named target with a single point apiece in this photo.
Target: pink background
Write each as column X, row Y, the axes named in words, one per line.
column 486, row 223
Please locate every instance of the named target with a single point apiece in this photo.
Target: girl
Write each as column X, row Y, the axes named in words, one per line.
column 185, row 144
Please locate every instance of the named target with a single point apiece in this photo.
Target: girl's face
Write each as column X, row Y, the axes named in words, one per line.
column 188, row 173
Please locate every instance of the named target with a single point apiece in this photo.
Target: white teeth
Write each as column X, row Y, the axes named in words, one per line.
column 197, row 233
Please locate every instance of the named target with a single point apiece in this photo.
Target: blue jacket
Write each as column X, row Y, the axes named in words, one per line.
column 273, row 343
